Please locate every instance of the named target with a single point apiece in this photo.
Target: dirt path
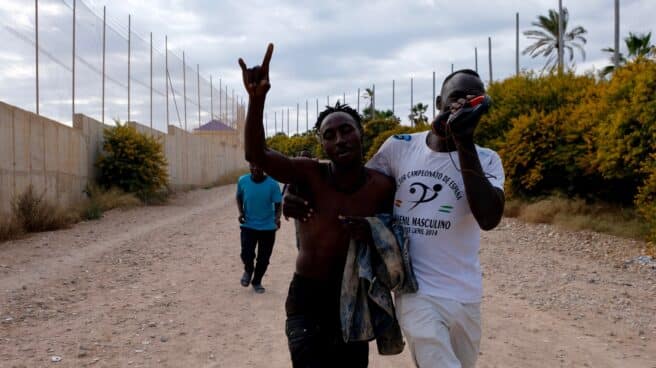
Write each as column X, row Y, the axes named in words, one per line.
column 159, row 287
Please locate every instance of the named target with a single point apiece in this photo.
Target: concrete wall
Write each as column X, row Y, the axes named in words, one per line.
column 58, row 160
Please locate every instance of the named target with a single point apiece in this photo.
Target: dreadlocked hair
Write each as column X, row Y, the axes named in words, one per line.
column 339, row 107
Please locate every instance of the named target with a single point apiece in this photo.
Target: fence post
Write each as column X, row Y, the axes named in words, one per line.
column 73, row 65
column 412, row 95
column 221, row 99
column 198, row 88
column 226, row 105
column 393, row 96
column 129, row 56
column 104, row 53
column 433, row 95
column 476, row 59
column 616, row 54
column 211, row 99
column 327, row 100
column 151, row 83
column 275, row 122
column 561, row 30
column 36, row 50
column 358, row 100
column 517, row 43
column 166, row 77
column 489, row 48
column 184, row 88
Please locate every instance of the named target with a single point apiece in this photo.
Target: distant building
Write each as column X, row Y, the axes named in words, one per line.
column 215, row 126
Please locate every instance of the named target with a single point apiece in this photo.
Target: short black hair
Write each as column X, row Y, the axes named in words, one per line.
column 339, row 107
column 462, row 71
column 439, row 99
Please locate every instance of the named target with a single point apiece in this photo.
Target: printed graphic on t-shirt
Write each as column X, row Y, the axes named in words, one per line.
column 425, row 192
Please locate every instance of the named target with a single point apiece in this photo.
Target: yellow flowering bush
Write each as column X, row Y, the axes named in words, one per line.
column 132, row 161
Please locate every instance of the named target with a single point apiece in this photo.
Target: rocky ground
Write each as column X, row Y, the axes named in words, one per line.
column 159, row 287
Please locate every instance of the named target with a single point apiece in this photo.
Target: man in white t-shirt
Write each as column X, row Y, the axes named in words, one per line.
column 447, row 189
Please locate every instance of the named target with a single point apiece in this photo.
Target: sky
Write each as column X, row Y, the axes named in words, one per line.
column 323, row 50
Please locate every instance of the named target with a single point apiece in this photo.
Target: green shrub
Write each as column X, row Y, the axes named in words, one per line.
column 132, row 161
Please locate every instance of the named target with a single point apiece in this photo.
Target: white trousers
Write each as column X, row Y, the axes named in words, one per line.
column 441, row 333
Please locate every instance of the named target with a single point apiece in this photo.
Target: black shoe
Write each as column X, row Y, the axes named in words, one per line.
column 258, row 288
column 246, row 279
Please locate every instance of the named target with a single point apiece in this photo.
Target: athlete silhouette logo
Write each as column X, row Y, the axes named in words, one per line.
column 427, row 193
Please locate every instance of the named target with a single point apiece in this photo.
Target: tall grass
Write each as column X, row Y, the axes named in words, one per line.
column 9, row 228
column 100, row 200
column 31, row 212
column 576, row 214
column 34, row 213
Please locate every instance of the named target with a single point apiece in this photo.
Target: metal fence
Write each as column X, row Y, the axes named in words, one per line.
column 62, row 57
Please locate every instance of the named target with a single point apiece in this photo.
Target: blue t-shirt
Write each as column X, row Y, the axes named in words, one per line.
column 258, row 200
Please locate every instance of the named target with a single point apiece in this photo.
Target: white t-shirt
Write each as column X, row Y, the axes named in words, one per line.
column 431, row 205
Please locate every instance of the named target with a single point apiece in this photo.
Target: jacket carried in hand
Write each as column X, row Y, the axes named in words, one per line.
column 371, row 273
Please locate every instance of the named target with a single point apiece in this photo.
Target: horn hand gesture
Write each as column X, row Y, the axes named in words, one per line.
column 256, row 79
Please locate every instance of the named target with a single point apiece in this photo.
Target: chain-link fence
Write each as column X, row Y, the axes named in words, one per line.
column 61, row 57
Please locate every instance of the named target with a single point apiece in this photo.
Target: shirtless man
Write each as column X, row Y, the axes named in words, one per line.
column 343, row 191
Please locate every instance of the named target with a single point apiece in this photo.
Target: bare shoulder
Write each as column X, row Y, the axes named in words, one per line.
column 307, row 167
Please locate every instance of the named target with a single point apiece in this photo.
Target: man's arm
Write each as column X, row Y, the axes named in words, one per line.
column 240, row 206
column 485, row 200
column 256, row 82
column 278, row 208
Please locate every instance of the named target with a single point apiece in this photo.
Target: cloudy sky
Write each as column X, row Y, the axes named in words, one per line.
column 329, row 48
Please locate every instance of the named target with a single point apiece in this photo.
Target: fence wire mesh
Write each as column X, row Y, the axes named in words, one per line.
column 109, row 53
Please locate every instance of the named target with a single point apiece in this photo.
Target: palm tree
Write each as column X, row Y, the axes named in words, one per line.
column 418, row 114
column 368, row 112
column 638, row 46
column 546, row 39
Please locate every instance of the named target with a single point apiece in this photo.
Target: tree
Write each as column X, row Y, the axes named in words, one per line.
column 637, row 45
column 367, row 111
column 418, row 114
column 546, row 39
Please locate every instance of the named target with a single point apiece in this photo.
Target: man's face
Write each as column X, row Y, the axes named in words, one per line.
column 341, row 139
column 256, row 172
column 459, row 88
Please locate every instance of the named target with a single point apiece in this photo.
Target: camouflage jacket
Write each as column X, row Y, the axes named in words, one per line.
column 366, row 307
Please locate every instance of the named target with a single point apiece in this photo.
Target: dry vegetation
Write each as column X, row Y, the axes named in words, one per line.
column 31, row 212
column 576, row 214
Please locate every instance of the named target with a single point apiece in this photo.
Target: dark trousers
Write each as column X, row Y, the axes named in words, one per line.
column 262, row 240
column 313, row 327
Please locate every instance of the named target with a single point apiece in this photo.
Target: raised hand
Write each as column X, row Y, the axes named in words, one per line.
column 256, row 79
column 465, row 115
